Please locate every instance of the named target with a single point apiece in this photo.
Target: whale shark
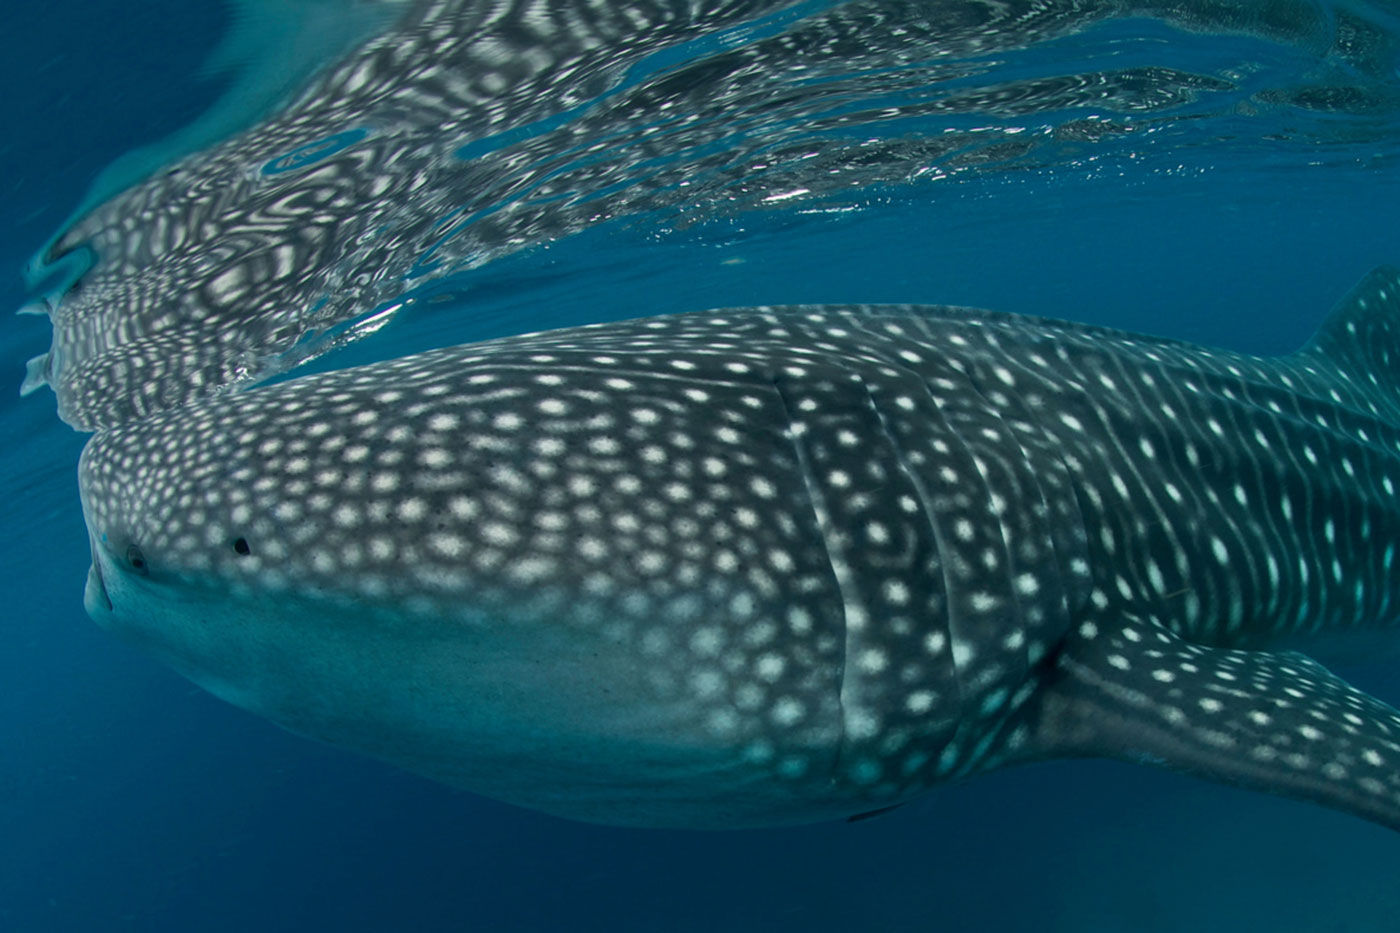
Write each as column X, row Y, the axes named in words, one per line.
column 775, row 565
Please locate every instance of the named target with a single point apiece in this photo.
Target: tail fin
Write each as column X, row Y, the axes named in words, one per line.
column 1361, row 337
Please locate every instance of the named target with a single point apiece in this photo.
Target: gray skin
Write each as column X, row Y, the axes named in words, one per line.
column 777, row 565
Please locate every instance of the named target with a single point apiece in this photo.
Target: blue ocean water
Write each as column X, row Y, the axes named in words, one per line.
column 134, row 801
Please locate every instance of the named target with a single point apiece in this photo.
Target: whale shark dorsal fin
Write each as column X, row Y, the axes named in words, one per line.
column 1272, row 721
column 1361, row 337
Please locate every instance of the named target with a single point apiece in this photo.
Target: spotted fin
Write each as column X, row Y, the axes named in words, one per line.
column 1361, row 336
column 1271, row 721
column 36, row 374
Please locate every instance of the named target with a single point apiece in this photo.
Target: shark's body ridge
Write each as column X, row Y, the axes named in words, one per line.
column 773, row 565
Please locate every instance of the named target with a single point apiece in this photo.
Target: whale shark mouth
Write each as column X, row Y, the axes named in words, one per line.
column 95, row 595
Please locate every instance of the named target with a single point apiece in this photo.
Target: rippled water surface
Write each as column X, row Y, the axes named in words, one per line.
column 363, row 180
column 463, row 132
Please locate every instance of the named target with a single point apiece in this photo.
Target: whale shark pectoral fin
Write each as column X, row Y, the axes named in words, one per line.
column 1272, row 721
column 36, row 374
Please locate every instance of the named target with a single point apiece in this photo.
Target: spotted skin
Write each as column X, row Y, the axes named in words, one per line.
column 775, row 565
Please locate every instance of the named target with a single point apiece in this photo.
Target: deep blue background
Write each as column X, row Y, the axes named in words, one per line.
column 129, row 800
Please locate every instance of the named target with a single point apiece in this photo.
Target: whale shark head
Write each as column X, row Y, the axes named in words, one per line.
column 556, row 570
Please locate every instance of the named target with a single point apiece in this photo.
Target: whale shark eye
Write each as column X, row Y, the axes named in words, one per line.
column 136, row 560
column 240, row 546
